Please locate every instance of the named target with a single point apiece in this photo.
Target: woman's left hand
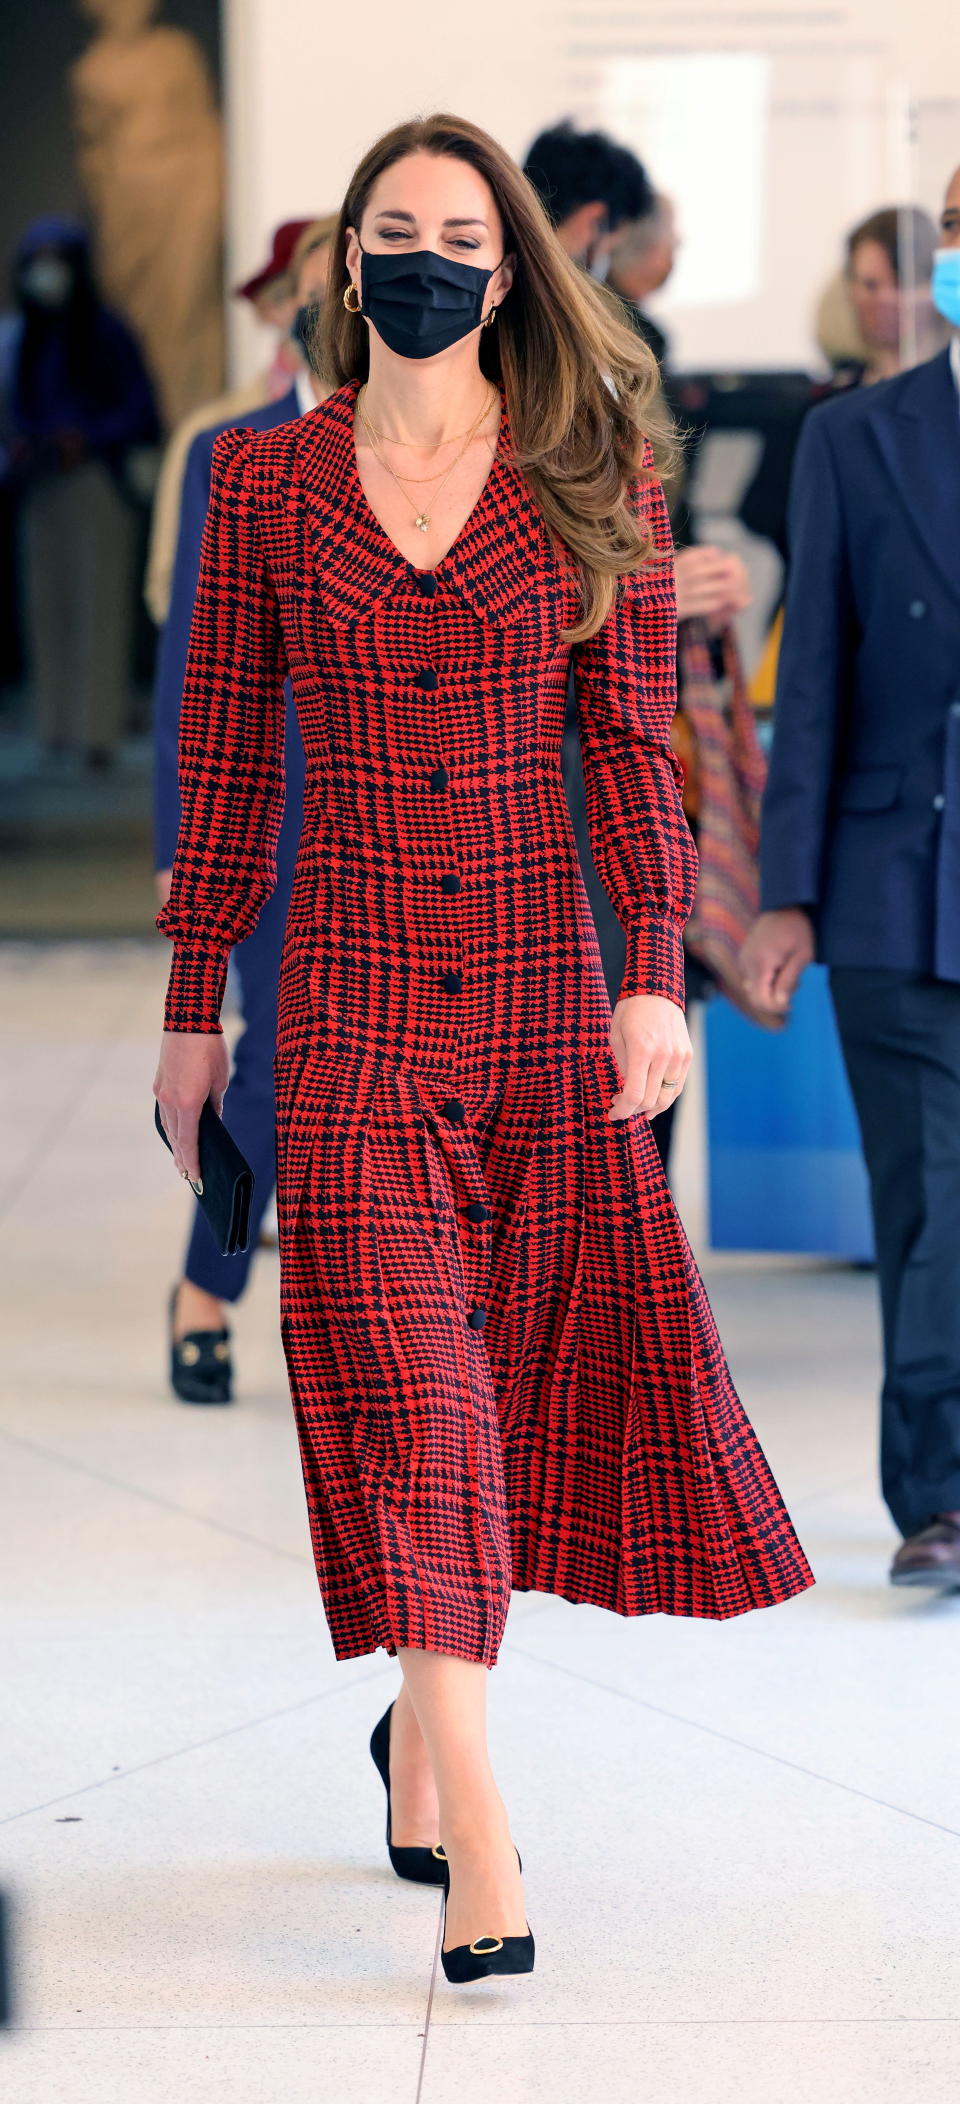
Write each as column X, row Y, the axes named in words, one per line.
column 651, row 1045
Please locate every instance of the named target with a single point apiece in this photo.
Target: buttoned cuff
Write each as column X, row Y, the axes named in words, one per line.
column 195, row 988
column 654, row 959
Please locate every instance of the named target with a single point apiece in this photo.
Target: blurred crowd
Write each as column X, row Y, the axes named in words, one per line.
column 88, row 472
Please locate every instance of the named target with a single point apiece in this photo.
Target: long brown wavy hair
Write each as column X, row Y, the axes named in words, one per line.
column 582, row 389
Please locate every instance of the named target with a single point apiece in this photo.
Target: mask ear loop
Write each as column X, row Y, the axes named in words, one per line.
column 491, row 313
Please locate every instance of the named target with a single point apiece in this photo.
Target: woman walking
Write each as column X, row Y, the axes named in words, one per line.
column 502, row 1362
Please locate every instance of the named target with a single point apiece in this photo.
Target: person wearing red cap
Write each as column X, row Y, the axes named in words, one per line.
column 277, row 265
column 271, row 292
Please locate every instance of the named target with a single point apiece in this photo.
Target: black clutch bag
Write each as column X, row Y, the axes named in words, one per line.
column 227, row 1181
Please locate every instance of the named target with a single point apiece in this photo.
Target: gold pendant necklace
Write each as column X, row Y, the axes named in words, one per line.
column 421, row 518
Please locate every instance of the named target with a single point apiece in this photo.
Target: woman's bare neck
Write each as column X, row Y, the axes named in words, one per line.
column 424, row 404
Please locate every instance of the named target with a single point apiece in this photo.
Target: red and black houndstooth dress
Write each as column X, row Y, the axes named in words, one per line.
column 502, row 1361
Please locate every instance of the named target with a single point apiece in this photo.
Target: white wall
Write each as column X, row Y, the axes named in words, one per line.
column 309, row 87
column 776, row 126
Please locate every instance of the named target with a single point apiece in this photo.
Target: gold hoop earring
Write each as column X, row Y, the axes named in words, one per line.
column 351, row 309
column 489, row 318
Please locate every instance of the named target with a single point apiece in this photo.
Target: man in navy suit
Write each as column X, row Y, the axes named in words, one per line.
column 860, row 866
column 200, row 1362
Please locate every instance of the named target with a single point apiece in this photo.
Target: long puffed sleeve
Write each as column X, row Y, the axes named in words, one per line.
column 231, row 750
column 626, row 681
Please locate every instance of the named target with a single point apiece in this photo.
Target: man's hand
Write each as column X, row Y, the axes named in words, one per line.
column 649, row 1041
column 777, row 950
column 711, row 584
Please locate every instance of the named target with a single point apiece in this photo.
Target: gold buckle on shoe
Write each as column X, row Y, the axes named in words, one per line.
column 486, row 1946
column 439, row 1851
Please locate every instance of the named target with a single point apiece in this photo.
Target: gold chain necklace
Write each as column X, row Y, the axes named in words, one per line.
column 422, row 518
column 383, row 440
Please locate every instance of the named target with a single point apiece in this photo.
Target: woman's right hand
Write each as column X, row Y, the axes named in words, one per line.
column 193, row 1065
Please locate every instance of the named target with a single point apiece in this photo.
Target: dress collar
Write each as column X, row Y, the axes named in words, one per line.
column 491, row 567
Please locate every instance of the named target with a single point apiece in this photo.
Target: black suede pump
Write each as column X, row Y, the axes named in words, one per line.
column 487, row 1957
column 423, row 1866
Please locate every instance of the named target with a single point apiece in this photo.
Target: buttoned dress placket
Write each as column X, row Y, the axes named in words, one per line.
column 449, row 1118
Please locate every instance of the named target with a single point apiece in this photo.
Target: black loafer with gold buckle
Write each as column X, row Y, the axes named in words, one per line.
column 201, row 1368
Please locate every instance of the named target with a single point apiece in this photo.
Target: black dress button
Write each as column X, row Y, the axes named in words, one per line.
column 453, row 1110
column 477, row 1212
column 439, row 779
column 427, row 679
column 453, row 982
column 477, row 1318
column 451, row 882
column 426, row 583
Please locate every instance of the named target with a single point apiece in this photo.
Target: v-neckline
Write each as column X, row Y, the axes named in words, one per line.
column 377, row 524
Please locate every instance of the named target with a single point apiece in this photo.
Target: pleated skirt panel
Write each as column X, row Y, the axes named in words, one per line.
column 504, row 1369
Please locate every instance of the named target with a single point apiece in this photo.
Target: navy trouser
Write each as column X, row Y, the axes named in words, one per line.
column 900, row 1033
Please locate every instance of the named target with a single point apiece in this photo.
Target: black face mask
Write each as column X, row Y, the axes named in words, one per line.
column 420, row 304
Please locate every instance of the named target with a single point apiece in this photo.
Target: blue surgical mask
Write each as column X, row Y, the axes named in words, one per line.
column 47, row 281
column 945, row 284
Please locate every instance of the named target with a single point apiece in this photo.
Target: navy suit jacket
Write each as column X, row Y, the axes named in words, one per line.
column 173, row 646
column 861, row 818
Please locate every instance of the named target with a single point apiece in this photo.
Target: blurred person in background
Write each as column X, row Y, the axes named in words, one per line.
column 272, row 293
column 872, row 319
column 642, row 256
column 200, row 1357
column 888, row 265
column 605, row 208
column 79, row 405
column 590, row 187
column 712, row 583
column 837, row 332
column 860, row 865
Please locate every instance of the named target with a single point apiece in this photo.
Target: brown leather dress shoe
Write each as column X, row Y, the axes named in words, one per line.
column 931, row 1557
